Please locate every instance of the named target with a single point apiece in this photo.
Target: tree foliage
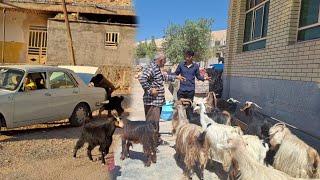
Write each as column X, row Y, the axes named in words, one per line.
column 152, row 48
column 192, row 35
column 146, row 49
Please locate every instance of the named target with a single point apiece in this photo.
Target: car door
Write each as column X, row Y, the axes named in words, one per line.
column 65, row 92
column 31, row 107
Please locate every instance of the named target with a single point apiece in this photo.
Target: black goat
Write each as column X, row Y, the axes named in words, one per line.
column 100, row 81
column 143, row 132
column 98, row 134
column 114, row 104
column 257, row 123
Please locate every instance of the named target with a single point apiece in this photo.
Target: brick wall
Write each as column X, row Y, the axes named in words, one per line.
column 284, row 77
column 284, row 57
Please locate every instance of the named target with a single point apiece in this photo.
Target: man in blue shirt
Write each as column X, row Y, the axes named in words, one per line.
column 189, row 70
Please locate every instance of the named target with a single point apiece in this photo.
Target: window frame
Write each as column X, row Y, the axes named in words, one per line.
column 254, row 10
column 45, row 73
column 110, row 43
column 306, row 27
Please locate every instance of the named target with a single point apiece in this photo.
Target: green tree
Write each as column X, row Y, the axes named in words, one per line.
column 193, row 35
column 152, row 48
column 141, row 50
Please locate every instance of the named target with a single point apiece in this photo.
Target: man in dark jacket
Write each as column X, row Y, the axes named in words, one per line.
column 190, row 71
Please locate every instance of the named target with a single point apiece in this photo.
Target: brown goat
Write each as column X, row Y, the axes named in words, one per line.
column 294, row 156
column 191, row 143
column 143, row 132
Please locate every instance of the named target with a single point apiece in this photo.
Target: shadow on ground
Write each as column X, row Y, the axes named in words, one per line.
column 212, row 166
column 54, row 130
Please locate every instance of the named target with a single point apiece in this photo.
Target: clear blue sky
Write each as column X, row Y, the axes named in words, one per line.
column 155, row 15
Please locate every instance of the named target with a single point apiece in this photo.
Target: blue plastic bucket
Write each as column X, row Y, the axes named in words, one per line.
column 167, row 111
column 218, row 66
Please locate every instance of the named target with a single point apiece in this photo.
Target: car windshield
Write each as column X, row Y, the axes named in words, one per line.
column 10, row 78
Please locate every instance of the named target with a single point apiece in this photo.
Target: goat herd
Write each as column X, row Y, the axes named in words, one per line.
column 256, row 151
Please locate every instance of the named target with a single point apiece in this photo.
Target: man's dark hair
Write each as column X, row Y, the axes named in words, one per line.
column 189, row 53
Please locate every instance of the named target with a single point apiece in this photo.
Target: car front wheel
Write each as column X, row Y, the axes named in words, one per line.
column 80, row 114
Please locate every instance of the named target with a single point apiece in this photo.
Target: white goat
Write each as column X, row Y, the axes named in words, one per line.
column 217, row 134
column 250, row 168
column 294, row 156
column 256, row 148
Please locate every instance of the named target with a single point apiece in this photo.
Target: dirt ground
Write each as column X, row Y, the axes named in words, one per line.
column 45, row 152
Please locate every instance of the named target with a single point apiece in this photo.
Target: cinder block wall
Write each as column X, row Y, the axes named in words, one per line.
column 88, row 41
column 284, row 77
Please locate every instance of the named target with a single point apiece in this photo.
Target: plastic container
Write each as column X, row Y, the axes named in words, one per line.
column 167, row 111
column 218, row 66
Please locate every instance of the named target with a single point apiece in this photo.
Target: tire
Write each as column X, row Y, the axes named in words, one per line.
column 1, row 123
column 80, row 113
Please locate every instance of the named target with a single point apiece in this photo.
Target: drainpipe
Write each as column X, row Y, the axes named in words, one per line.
column 4, row 34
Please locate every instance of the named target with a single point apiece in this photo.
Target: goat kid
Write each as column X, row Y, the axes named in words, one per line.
column 101, row 135
column 143, row 132
column 294, row 156
column 191, row 144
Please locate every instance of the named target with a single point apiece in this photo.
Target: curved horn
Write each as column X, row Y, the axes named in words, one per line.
column 215, row 100
column 257, row 106
column 114, row 114
column 186, row 100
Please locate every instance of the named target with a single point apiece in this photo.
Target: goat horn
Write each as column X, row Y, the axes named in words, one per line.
column 114, row 113
column 257, row 105
column 186, row 100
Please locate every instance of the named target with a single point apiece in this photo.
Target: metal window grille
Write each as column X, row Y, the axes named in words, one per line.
column 111, row 39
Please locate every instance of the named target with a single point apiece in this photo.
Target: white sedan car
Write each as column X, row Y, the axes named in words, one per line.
column 39, row 94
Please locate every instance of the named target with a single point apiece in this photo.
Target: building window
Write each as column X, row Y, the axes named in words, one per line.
column 111, row 39
column 256, row 24
column 309, row 24
column 37, row 44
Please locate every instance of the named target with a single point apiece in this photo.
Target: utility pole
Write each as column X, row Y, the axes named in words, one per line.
column 4, row 34
column 66, row 20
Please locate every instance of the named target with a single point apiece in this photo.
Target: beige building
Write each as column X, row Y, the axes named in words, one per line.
column 34, row 32
column 273, row 59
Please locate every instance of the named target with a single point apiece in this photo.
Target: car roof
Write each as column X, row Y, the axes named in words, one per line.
column 35, row 67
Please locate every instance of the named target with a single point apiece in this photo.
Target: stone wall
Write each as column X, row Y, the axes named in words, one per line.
column 284, row 77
